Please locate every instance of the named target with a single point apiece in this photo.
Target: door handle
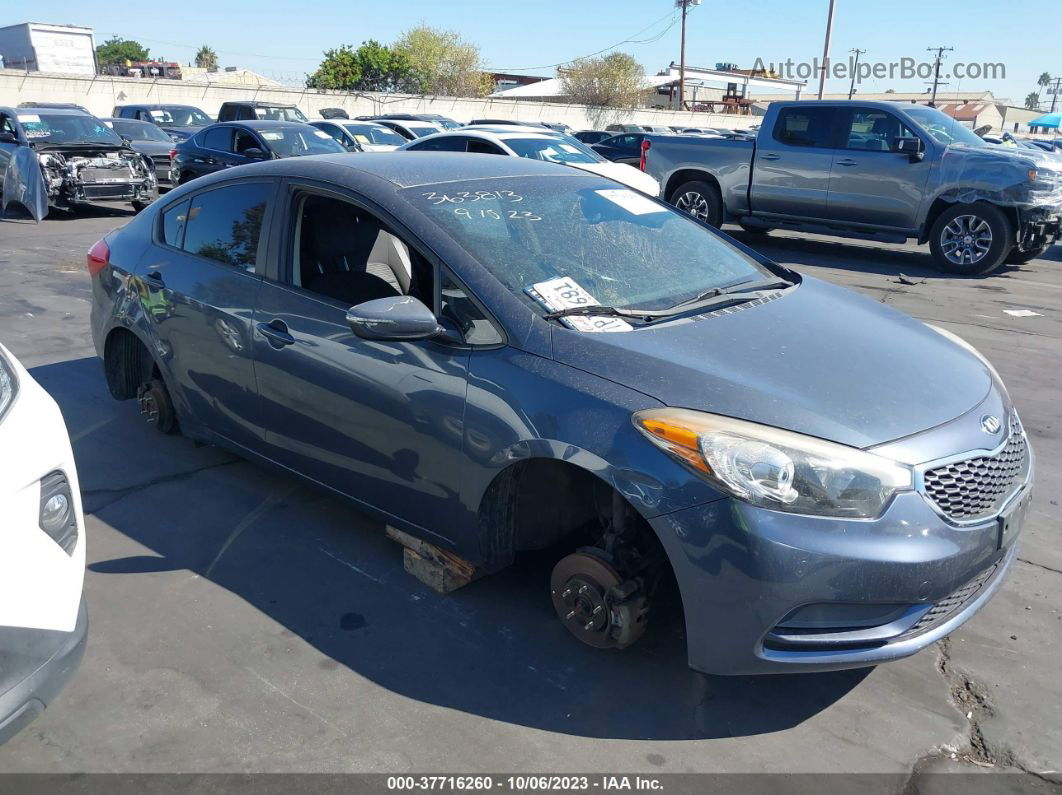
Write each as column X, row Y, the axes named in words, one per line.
column 154, row 280
column 276, row 332
column 769, row 156
column 847, row 162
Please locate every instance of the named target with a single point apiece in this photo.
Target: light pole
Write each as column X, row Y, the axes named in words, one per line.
column 826, row 50
column 855, row 69
column 685, row 6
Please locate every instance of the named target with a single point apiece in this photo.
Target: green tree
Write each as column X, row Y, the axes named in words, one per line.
column 382, row 68
column 1032, row 101
column 443, row 64
column 611, row 85
column 339, row 71
column 117, row 50
column 207, row 59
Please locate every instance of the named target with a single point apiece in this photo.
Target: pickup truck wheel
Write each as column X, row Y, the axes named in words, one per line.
column 971, row 239
column 700, row 200
column 1016, row 257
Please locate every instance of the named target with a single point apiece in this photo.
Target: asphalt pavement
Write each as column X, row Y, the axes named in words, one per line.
column 242, row 621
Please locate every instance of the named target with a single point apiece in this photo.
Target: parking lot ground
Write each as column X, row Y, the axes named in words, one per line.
column 241, row 621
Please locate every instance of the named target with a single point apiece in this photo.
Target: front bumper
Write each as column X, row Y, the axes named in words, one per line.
column 35, row 664
column 743, row 570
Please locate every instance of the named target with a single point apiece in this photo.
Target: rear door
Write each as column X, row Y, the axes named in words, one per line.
column 197, row 286
column 791, row 170
column 869, row 183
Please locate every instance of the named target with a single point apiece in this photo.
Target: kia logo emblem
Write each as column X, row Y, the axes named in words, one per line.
column 990, row 424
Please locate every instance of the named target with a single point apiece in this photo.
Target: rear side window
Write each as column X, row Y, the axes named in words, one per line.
column 173, row 221
column 455, row 144
column 225, row 225
column 219, row 138
column 483, row 147
column 811, row 127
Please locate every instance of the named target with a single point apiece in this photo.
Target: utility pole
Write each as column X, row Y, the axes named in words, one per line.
column 936, row 71
column 826, row 50
column 685, row 6
column 855, row 68
column 1054, row 94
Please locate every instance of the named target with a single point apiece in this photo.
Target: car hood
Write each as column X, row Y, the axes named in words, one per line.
column 152, row 147
column 184, row 132
column 621, row 172
column 818, row 360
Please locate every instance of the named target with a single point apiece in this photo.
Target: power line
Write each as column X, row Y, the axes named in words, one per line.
column 936, row 71
column 631, row 40
column 855, row 70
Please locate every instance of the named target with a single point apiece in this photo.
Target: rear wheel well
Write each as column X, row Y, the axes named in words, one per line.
column 680, row 178
column 127, row 363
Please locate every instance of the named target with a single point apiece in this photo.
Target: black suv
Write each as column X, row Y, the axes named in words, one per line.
column 260, row 111
column 178, row 121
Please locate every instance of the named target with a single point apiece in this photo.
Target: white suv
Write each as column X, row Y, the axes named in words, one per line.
column 43, row 621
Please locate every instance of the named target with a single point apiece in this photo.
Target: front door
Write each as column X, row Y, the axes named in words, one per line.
column 870, row 183
column 382, row 422
column 791, row 170
column 197, row 284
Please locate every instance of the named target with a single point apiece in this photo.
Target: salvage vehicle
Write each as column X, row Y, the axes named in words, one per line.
column 410, row 129
column 876, row 170
column 499, row 354
column 263, row 111
column 50, row 157
column 525, row 142
column 231, row 144
column 443, row 122
column 43, row 620
column 149, row 140
column 361, row 136
column 177, row 121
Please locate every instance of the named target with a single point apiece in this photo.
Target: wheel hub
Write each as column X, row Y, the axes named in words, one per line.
column 595, row 603
column 149, row 407
column 694, row 204
column 966, row 240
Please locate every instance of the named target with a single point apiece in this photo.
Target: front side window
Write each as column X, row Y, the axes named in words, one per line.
column 622, row 247
column 811, row 127
column 244, row 141
column 225, row 225
column 874, row 130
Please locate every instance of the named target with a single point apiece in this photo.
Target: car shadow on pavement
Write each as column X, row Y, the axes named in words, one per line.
column 858, row 256
column 18, row 214
column 326, row 573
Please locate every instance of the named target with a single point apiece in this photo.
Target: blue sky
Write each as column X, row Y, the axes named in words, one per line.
column 284, row 40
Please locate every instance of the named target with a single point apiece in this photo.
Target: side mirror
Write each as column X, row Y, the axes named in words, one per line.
column 912, row 147
column 254, row 153
column 8, row 138
column 399, row 317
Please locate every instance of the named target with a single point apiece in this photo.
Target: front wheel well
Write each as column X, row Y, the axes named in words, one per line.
column 127, row 363
column 941, row 205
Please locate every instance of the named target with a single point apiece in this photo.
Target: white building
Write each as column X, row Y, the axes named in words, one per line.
column 38, row 47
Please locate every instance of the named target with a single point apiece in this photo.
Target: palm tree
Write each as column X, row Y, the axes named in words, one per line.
column 1043, row 81
column 207, row 59
column 1032, row 101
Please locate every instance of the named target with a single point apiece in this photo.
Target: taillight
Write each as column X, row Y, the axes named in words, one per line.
column 99, row 256
column 646, row 143
column 173, row 154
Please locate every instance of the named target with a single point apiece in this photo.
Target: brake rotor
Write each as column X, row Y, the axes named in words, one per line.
column 583, row 596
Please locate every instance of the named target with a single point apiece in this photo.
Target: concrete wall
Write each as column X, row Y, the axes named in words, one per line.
column 100, row 94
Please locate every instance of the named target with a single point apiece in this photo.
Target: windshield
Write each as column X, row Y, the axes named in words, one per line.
column 279, row 114
column 623, row 248
column 943, row 127
column 294, row 141
column 371, row 134
column 180, row 117
column 552, row 150
column 75, row 128
column 420, row 132
column 139, row 131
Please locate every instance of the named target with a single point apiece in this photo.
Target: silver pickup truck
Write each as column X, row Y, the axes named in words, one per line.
column 878, row 170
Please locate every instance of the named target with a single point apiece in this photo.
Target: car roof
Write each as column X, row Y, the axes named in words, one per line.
column 124, row 120
column 50, row 111
column 257, row 103
column 510, row 129
column 261, row 124
column 157, row 106
column 364, row 122
column 400, row 169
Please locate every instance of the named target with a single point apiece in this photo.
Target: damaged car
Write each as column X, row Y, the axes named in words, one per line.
column 52, row 157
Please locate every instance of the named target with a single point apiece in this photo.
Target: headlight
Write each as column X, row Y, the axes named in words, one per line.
column 8, row 386
column 777, row 469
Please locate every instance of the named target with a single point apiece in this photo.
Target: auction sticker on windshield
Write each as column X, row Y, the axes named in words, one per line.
column 565, row 293
column 634, row 203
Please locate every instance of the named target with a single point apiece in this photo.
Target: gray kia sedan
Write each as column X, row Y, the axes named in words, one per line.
column 496, row 355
